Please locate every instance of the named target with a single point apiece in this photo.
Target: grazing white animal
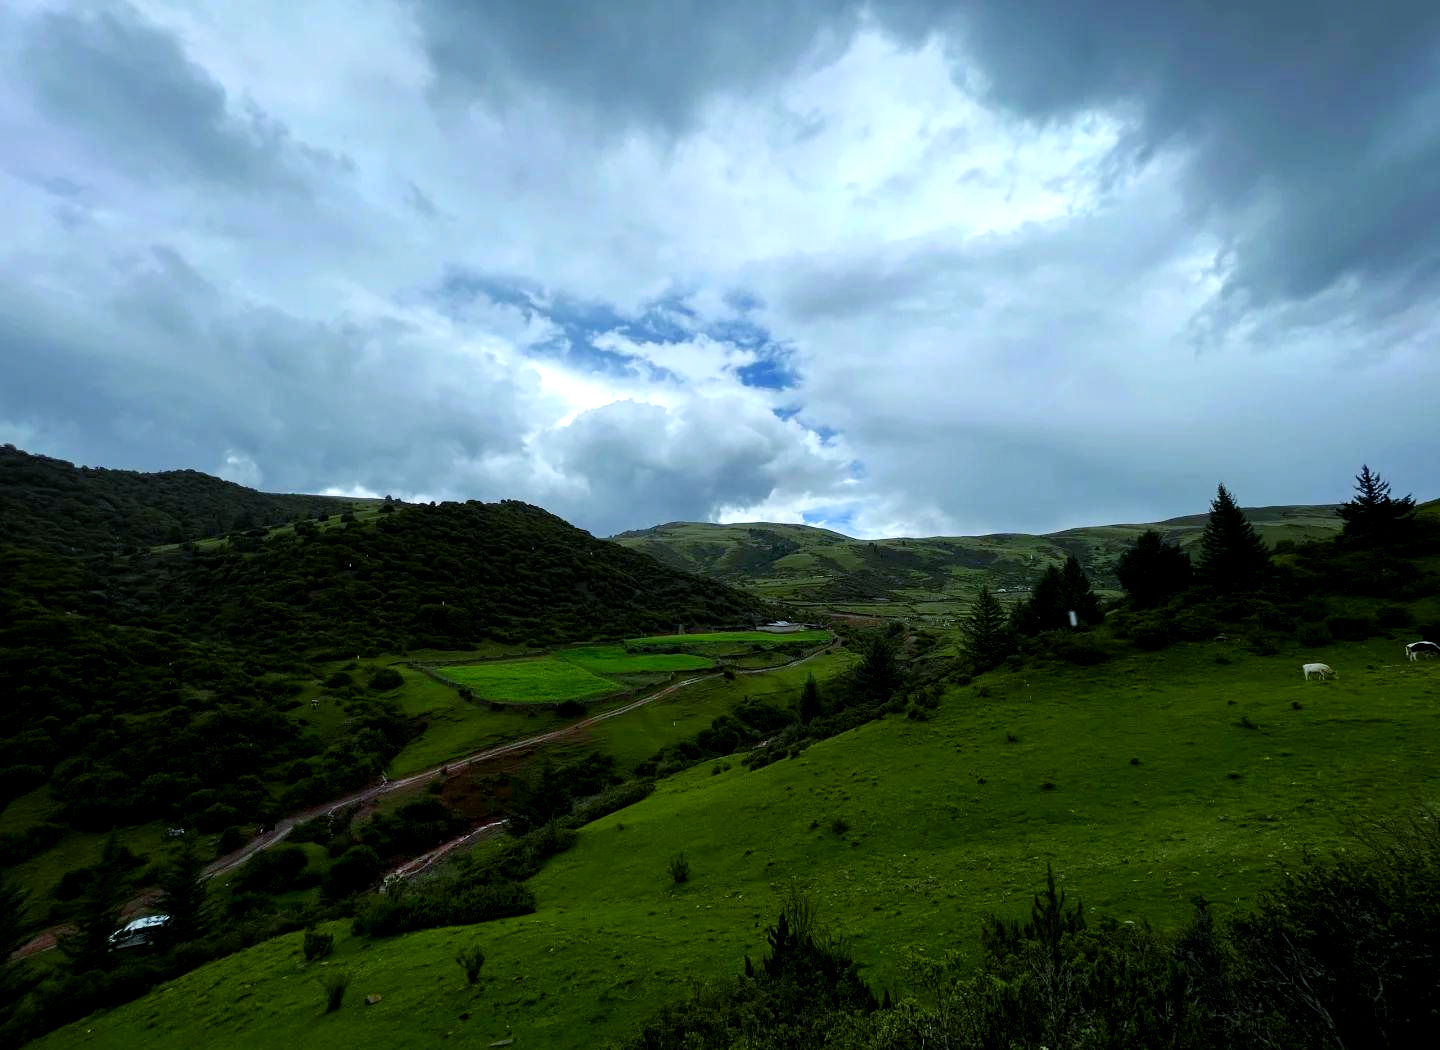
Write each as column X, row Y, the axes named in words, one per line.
column 1415, row 650
column 1319, row 670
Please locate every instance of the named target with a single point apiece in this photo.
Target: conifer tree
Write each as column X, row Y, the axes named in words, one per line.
column 1077, row 595
column 1152, row 570
column 98, row 915
column 810, row 704
column 1057, row 594
column 1372, row 514
column 878, row 674
column 987, row 633
column 185, row 896
column 1232, row 555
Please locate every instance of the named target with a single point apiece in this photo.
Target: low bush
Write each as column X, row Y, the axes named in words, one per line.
column 471, row 959
column 334, row 985
column 679, row 868
column 318, row 945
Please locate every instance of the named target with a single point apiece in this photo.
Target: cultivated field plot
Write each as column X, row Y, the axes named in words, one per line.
column 542, row 680
column 613, row 659
column 731, row 637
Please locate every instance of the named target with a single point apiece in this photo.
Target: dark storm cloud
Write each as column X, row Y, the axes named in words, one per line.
column 126, row 87
column 650, row 63
column 1311, row 123
column 184, row 376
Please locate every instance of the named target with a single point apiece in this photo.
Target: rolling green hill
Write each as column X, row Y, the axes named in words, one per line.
column 1169, row 775
column 929, row 579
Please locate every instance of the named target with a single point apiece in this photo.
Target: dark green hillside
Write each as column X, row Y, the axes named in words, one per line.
column 49, row 504
column 930, row 579
column 440, row 576
column 154, row 686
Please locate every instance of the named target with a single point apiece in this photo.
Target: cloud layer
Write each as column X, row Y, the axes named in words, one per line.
column 899, row 269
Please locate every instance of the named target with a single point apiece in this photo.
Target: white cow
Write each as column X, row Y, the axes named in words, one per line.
column 1319, row 670
column 1415, row 650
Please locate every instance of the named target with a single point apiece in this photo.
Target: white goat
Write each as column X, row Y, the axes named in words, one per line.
column 1320, row 670
column 1415, row 650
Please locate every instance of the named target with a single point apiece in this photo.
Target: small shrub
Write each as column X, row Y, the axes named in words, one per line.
column 1134, row 761
column 569, row 709
column 715, row 770
column 1233, row 775
column 1394, row 616
column 470, row 960
column 335, row 984
column 729, row 674
column 385, row 679
column 1294, row 705
column 1011, row 738
column 840, row 825
column 679, row 868
column 318, row 945
column 1245, row 723
column 1315, row 635
column 1222, row 660
column 1047, row 786
column 231, row 839
column 1352, row 628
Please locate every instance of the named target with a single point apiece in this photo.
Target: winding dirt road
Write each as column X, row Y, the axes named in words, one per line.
column 282, row 828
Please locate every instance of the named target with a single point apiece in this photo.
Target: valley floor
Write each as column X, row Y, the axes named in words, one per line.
column 1201, row 770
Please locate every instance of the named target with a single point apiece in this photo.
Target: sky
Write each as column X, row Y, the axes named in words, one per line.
column 912, row 268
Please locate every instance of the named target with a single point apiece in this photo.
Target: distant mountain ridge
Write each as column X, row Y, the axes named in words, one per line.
column 822, row 568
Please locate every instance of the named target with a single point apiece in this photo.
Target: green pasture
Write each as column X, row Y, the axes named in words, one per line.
column 614, row 660
column 539, row 680
column 455, row 727
column 729, row 637
column 949, row 820
column 638, row 734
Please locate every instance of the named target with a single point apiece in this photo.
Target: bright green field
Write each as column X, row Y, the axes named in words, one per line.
column 931, row 849
column 544, row 679
column 613, row 659
column 723, row 637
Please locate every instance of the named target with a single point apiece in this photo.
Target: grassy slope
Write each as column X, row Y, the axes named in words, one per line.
column 930, row 852
column 934, row 577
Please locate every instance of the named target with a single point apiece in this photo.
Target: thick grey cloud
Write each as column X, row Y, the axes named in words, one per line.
column 1309, row 124
column 126, row 88
column 651, row 63
column 971, row 245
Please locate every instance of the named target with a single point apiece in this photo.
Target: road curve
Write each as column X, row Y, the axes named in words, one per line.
column 221, row 865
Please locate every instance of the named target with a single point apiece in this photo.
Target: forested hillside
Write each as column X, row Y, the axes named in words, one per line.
column 153, row 685
column 49, row 504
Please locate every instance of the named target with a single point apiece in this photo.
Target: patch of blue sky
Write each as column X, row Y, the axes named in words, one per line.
column 579, row 323
column 837, row 518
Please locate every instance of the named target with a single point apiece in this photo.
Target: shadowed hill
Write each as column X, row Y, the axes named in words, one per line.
column 423, row 575
column 49, row 504
column 801, row 564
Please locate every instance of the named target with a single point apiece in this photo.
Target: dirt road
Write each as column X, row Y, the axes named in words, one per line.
column 282, row 828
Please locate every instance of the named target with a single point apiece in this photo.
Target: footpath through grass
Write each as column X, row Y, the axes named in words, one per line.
column 948, row 820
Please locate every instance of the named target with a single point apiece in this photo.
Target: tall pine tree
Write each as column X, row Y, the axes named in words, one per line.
column 1372, row 514
column 1153, row 569
column 185, row 896
column 987, row 632
column 1233, row 558
column 98, row 914
column 1057, row 594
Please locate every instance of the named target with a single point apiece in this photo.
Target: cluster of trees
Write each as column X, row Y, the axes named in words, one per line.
column 1234, row 578
column 1338, row 954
